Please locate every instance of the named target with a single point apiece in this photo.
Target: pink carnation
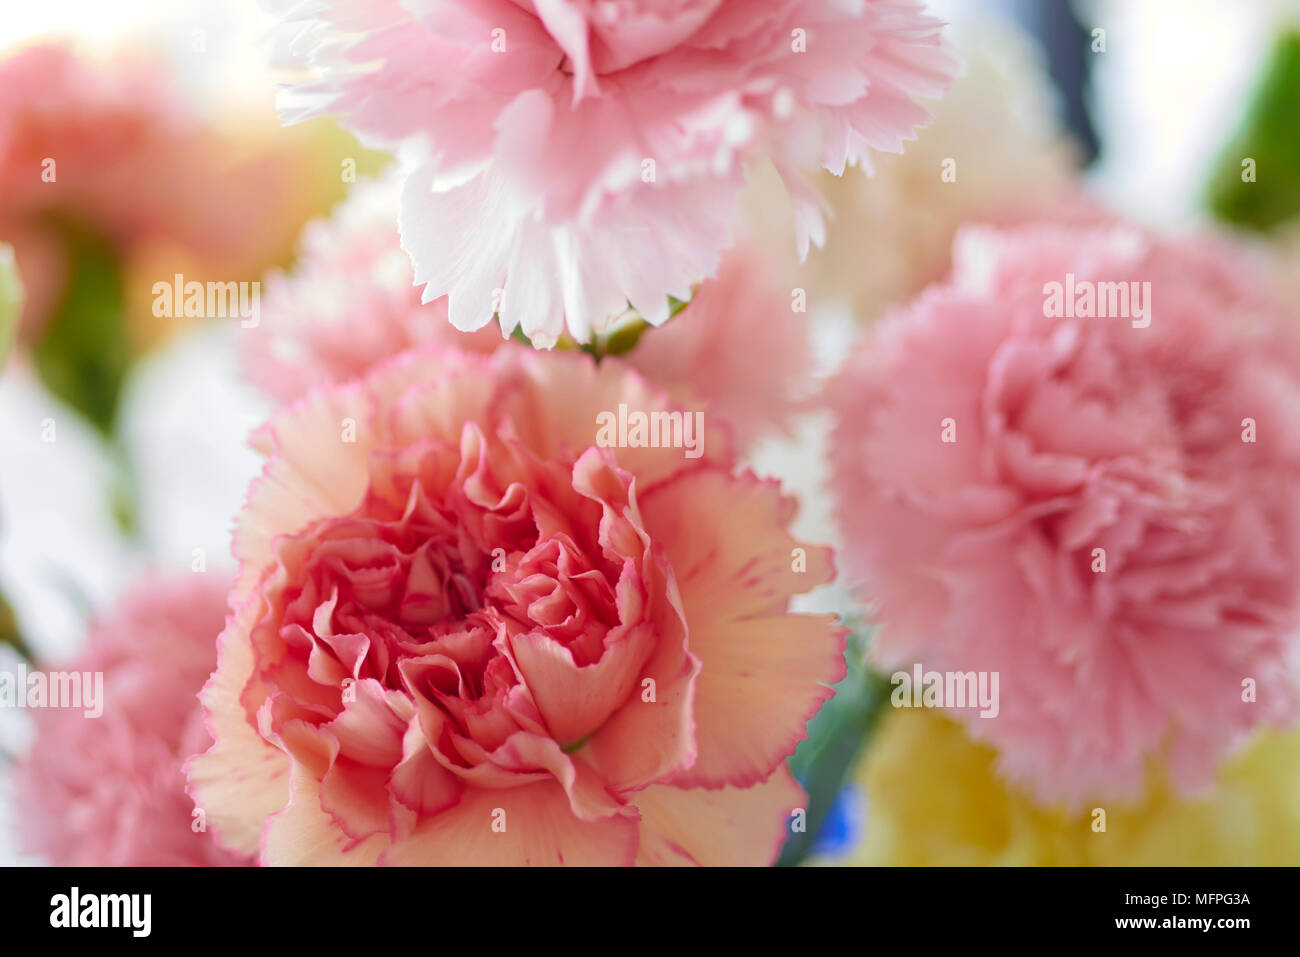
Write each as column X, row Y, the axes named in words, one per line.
column 465, row 634
column 573, row 158
column 109, row 791
column 738, row 349
column 111, row 151
column 349, row 303
column 1167, row 455
column 76, row 142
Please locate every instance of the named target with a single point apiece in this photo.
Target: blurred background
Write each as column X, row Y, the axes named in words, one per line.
column 122, row 435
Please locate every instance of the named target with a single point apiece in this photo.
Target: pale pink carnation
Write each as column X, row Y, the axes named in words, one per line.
column 109, row 791
column 739, row 349
column 1074, row 435
column 455, row 611
column 349, row 303
column 534, row 126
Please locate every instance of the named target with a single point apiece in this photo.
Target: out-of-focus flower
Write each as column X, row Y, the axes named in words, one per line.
column 250, row 189
column 739, row 348
column 934, row 798
column 111, row 181
column 572, row 158
column 1104, row 511
column 113, row 147
column 995, row 152
column 79, row 142
column 465, row 633
column 349, row 304
column 109, row 790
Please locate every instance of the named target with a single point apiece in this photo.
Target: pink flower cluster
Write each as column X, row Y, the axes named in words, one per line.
column 473, row 625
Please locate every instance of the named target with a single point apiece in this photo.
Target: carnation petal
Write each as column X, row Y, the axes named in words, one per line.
column 764, row 672
column 303, row 835
column 241, row 778
column 534, row 827
column 727, row 827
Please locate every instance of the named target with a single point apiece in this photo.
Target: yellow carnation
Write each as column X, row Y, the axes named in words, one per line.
column 933, row 798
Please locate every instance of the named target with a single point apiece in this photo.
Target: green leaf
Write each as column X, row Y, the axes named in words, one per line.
column 619, row 342
column 1270, row 136
column 85, row 352
column 11, row 301
column 622, row 341
column 836, row 735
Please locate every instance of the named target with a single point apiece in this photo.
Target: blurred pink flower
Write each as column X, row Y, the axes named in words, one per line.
column 109, row 791
column 111, row 151
column 1107, row 514
column 74, row 142
column 466, row 634
column 573, row 158
column 738, row 350
column 348, row 304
